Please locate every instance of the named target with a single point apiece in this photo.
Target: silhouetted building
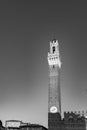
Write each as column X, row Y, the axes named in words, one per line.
column 1, row 126
column 74, row 121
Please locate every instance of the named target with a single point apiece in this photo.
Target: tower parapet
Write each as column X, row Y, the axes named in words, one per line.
column 74, row 116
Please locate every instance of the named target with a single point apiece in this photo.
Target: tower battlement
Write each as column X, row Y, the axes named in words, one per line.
column 74, row 117
column 79, row 113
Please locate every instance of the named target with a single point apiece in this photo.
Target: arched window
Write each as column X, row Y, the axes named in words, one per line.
column 53, row 49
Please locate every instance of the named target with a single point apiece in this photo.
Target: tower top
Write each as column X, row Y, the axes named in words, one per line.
column 54, row 56
column 54, row 40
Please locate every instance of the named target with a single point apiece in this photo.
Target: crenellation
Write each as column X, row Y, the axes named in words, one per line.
column 76, row 116
column 75, row 112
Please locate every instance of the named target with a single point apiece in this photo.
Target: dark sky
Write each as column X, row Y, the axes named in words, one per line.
column 26, row 28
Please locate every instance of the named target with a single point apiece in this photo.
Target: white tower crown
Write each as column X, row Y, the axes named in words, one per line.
column 53, row 56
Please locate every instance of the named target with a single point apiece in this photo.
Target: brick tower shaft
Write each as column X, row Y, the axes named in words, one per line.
column 54, row 93
column 54, row 96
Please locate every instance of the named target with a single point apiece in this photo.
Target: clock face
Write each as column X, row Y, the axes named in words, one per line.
column 53, row 109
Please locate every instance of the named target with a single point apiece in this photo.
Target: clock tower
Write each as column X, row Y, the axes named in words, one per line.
column 54, row 95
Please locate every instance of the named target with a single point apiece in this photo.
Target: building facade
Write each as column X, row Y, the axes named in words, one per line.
column 12, row 124
column 19, row 125
column 74, row 121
